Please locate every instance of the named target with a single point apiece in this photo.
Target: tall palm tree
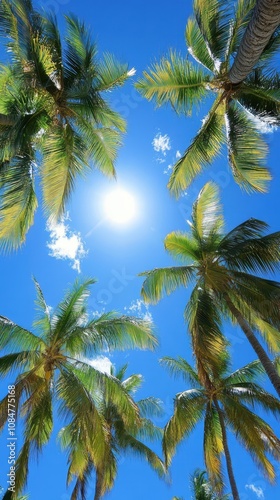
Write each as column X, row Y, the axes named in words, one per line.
column 226, row 401
column 220, row 265
column 53, row 364
column 213, row 35
column 121, row 437
column 55, row 119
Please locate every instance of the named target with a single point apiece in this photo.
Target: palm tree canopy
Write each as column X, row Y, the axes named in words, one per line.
column 202, row 488
column 55, row 119
column 220, row 265
column 239, row 111
column 54, row 363
column 122, row 437
column 238, row 394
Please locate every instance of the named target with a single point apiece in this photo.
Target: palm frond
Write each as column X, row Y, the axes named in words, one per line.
column 242, row 15
column 189, row 408
column 71, row 312
column 246, row 151
column 270, row 334
column 182, row 246
column 112, row 331
column 204, row 148
column 65, row 157
column 16, row 337
column 165, row 280
column 80, row 53
column 132, row 383
column 260, row 95
column 111, row 73
column 14, row 361
column 207, row 212
column 139, row 448
column 246, row 374
column 175, row 81
column 95, row 381
column 43, row 320
column 150, row 407
column 256, row 435
column 213, row 21
column 181, row 368
column 197, row 45
column 208, row 342
column 18, row 200
column 250, row 253
column 102, row 145
column 213, row 446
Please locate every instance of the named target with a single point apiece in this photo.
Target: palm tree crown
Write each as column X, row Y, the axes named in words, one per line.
column 54, row 119
column 53, row 364
column 228, row 400
column 221, row 266
column 121, row 435
column 213, row 34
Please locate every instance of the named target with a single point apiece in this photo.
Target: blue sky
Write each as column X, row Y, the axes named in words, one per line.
column 87, row 244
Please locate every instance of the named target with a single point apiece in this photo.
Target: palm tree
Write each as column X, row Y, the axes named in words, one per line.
column 221, row 266
column 54, row 119
column 226, row 401
column 213, row 35
column 53, row 364
column 202, row 488
column 121, row 437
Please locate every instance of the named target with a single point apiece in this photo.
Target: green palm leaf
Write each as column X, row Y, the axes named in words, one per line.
column 261, row 96
column 207, row 212
column 180, row 367
column 247, row 151
column 213, row 24
column 203, row 149
column 213, row 445
column 197, row 45
column 161, row 281
column 189, row 408
column 176, row 81
column 64, row 159
column 18, row 201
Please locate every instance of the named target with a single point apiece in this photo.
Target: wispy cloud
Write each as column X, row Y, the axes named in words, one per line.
column 168, row 169
column 140, row 309
column 65, row 244
column 178, row 154
column 256, row 489
column 101, row 363
column 161, row 143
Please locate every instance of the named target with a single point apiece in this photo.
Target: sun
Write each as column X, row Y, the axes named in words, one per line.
column 120, row 206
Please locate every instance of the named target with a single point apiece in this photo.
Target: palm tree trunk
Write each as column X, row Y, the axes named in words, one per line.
column 265, row 19
column 98, row 486
column 231, row 477
column 259, row 350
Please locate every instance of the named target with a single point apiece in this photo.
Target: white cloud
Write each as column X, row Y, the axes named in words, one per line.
column 65, row 244
column 264, row 126
column 256, row 489
column 161, row 143
column 178, row 155
column 168, row 169
column 98, row 312
column 101, row 363
column 139, row 309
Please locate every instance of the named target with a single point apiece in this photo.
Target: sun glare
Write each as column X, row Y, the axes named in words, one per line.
column 120, row 206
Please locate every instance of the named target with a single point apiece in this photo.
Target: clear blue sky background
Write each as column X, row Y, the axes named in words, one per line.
column 139, row 33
